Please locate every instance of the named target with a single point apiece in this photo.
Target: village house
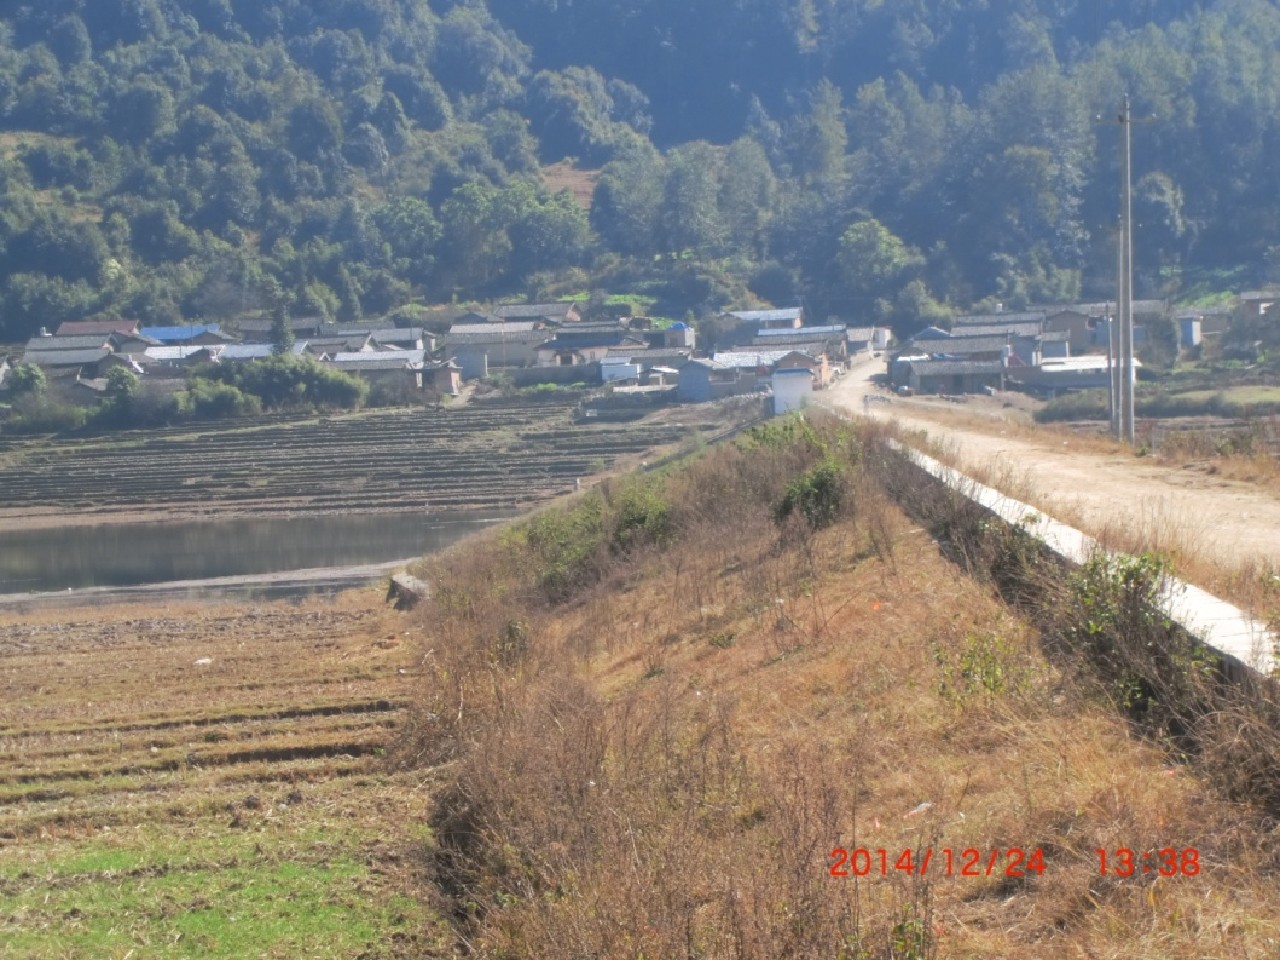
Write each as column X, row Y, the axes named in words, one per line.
column 815, row 363
column 587, row 343
column 246, row 352
column 859, row 340
column 59, row 364
column 651, row 359
column 87, row 342
column 1258, row 303
column 392, row 367
column 194, row 335
column 553, row 313
column 789, row 317
column 399, row 338
column 501, row 345
column 703, row 380
column 954, row 376
column 999, row 318
column 259, row 329
column 443, row 376
column 792, row 389
column 80, row 328
column 826, row 341
column 319, row 346
column 171, row 359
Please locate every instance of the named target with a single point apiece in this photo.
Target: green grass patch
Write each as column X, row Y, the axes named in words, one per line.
column 279, row 888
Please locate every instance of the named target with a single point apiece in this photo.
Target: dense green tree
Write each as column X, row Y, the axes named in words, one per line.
column 691, row 217
column 872, row 260
column 748, row 192
column 26, row 378
column 628, row 200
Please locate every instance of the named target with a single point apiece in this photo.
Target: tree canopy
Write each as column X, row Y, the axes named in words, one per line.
column 163, row 159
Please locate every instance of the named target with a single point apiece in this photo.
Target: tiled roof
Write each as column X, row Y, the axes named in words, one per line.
column 390, row 360
column 931, row 368
column 512, row 326
column 1028, row 328
column 256, row 351
column 744, row 358
column 763, row 316
column 533, row 310
column 175, row 352
column 67, row 358
column 43, row 344
column 964, row 345
column 997, row 319
column 830, row 330
column 500, row 334
column 79, row 328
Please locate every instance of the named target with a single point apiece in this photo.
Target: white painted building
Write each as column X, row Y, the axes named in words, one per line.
column 792, row 389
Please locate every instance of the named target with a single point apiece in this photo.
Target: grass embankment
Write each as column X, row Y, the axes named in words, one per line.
column 659, row 713
column 153, row 804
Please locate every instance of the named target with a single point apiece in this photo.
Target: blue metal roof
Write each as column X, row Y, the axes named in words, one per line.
column 179, row 334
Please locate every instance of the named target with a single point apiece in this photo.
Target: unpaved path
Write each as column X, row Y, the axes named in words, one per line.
column 1230, row 524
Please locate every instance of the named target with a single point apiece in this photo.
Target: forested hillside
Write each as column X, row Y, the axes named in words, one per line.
column 182, row 159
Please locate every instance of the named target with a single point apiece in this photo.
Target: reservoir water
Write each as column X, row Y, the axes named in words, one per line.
column 123, row 555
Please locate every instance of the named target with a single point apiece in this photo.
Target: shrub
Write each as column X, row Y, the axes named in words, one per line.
column 643, row 516
column 38, row 413
column 817, row 495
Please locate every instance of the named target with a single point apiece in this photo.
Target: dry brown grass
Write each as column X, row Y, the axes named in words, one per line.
column 661, row 763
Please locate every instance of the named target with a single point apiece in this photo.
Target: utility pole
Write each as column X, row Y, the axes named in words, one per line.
column 1113, row 341
column 1127, row 374
column 1124, row 372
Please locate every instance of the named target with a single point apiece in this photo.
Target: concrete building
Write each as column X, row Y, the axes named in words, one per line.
column 792, row 389
column 954, row 376
column 789, row 317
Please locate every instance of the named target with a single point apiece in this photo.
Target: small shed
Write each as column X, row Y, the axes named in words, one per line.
column 792, row 389
column 445, row 377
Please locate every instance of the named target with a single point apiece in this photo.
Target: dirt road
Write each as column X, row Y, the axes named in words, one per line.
column 1230, row 524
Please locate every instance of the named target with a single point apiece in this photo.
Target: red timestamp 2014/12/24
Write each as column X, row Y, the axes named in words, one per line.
column 943, row 862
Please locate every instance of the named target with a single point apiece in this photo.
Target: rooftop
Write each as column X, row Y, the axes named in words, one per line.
column 743, row 358
column 533, row 310
column 253, row 351
column 830, row 330
column 934, row 368
column 43, row 344
column 67, row 358
column 1027, row 328
column 761, row 316
column 390, row 360
column 78, row 328
column 178, row 334
column 990, row 319
column 176, row 352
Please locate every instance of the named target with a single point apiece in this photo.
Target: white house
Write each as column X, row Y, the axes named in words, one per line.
column 792, row 388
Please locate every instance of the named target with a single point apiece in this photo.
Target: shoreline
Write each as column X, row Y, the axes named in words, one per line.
column 53, row 518
column 282, row 582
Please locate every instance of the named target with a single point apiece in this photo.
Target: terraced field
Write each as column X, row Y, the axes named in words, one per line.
column 495, row 454
column 206, row 781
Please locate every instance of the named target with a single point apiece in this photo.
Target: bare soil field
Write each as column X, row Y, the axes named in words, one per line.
column 497, row 454
column 205, row 780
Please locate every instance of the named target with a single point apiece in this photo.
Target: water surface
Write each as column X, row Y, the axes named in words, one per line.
column 121, row 555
